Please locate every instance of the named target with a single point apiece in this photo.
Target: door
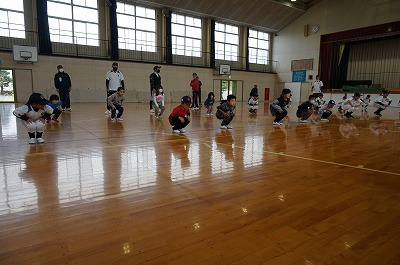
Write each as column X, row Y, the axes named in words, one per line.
column 228, row 87
column 7, row 93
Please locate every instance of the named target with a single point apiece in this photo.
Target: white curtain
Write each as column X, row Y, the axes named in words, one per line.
column 378, row 61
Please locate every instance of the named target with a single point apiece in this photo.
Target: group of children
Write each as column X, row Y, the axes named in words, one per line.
column 38, row 110
column 316, row 104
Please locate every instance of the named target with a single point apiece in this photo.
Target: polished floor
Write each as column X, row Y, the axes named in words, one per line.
column 132, row 192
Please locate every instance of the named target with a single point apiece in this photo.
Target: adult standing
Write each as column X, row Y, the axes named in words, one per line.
column 317, row 86
column 62, row 82
column 114, row 80
column 155, row 83
column 195, row 84
column 254, row 91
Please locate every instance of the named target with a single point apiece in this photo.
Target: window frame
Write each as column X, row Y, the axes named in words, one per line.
column 186, row 38
column 142, row 36
column 79, row 38
column 254, row 59
column 19, row 29
column 228, row 31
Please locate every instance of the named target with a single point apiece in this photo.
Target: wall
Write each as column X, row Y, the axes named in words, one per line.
column 88, row 78
column 331, row 16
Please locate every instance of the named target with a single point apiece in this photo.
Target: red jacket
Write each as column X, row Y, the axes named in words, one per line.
column 195, row 84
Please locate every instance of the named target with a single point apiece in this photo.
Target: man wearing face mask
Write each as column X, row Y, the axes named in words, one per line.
column 155, row 83
column 62, row 82
column 114, row 80
column 305, row 110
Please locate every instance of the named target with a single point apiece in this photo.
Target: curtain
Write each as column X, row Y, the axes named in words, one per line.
column 378, row 61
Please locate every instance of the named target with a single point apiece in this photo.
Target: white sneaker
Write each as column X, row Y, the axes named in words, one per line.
column 152, row 110
column 223, row 127
column 32, row 141
column 107, row 112
column 229, row 127
column 120, row 119
column 175, row 131
column 113, row 120
column 182, row 130
column 40, row 140
column 277, row 123
column 324, row 120
column 303, row 121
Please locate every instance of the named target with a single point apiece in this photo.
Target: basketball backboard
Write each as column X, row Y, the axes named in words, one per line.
column 25, row 53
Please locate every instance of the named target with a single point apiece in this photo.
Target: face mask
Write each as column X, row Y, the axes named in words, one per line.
column 115, row 68
column 160, row 91
column 61, row 70
column 312, row 101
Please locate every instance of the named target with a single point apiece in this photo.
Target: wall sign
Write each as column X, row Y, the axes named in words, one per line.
column 299, row 76
column 305, row 64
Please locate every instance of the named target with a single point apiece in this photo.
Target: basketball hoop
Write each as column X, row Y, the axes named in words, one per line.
column 26, row 58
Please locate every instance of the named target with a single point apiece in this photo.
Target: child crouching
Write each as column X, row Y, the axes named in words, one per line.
column 116, row 102
column 33, row 115
column 180, row 115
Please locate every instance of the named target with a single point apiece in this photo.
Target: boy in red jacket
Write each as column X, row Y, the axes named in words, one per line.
column 180, row 116
column 195, row 84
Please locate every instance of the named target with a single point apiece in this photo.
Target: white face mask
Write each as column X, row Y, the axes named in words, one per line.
column 160, row 91
column 312, row 101
column 61, row 70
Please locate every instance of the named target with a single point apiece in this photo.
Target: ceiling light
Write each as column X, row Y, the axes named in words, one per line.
column 293, row 0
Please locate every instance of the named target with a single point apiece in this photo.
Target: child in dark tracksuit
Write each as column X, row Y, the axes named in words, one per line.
column 280, row 105
column 180, row 115
column 225, row 112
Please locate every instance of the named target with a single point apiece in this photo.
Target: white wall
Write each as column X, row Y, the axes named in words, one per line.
column 88, row 78
column 331, row 16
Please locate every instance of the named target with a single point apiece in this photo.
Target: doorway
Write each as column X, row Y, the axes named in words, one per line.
column 7, row 92
column 228, row 87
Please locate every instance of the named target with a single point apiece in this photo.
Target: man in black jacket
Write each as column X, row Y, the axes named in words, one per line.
column 155, row 83
column 62, row 82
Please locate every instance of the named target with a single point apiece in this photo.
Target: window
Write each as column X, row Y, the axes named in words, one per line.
column 226, row 42
column 186, row 35
column 136, row 28
column 258, row 47
column 12, row 23
column 74, row 21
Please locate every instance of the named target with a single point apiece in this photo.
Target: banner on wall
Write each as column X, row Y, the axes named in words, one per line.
column 299, row 76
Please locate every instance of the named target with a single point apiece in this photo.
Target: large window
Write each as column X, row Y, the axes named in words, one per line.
column 226, row 42
column 186, row 35
column 136, row 28
column 74, row 21
column 12, row 22
column 258, row 47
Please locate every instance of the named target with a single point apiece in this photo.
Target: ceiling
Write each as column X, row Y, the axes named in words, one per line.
column 267, row 15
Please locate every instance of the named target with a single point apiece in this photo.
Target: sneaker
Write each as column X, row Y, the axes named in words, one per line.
column 63, row 109
column 303, row 121
column 152, row 111
column 107, row 112
column 69, row 109
column 229, row 127
column 40, row 140
column 277, row 123
column 223, row 127
column 324, row 120
column 120, row 119
column 48, row 120
column 113, row 120
column 378, row 114
column 32, row 141
column 182, row 130
column 175, row 131
column 159, row 116
column 56, row 120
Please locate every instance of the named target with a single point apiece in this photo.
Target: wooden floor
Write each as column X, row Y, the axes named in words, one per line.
column 98, row 192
